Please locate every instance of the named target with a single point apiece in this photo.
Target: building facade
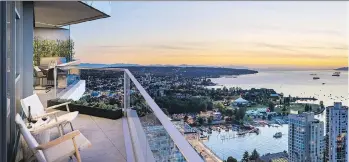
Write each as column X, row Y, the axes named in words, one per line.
column 161, row 144
column 337, row 132
column 305, row 140
column 18, row 21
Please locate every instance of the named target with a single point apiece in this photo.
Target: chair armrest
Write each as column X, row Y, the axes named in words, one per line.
column 44, row 115
column 47, row 126
column 58, row 141
column 59, row 105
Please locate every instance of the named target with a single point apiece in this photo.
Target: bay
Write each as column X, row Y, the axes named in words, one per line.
column 294, row 83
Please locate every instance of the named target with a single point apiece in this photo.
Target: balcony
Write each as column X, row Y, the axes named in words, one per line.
column 143, row 134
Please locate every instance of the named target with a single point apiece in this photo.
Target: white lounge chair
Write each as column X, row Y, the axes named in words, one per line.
column 58, row 149
column 37, row 110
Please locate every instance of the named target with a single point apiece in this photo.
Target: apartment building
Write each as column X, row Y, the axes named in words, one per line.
column 305, row 141
column 337, row 132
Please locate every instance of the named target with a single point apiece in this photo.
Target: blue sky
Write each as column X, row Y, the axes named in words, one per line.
column 254, row 34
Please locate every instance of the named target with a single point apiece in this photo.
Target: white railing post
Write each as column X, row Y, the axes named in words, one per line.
column 126, row 92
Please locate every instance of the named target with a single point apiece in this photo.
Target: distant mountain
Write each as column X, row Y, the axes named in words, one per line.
column 91, row 65
column 106, row 65
column 188, row 71
column 342, row 68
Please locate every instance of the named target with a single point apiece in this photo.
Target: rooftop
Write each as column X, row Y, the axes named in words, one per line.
column 280, row 156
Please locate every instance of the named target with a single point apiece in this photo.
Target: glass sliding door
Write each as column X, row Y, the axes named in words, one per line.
column 3, row 80
column 10, row 35
column 9, row 77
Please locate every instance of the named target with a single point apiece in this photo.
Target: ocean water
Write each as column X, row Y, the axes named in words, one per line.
column 226, row 144
column 294, row 83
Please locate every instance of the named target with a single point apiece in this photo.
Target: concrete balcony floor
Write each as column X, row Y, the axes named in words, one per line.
column 106, row 136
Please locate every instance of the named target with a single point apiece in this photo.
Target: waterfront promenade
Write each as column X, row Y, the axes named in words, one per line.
column 208, row 155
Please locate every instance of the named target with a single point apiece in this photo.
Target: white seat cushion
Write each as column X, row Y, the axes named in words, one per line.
column 36, row 107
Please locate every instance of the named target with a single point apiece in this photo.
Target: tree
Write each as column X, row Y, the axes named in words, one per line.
column 284, row 108
column 263, row 117
column 306, row 108
column 269, row 117
column 231, row 159
column 229, row 112
column 185, row 118
column 200, row 120
column 240, row 113
column 322, row 104
column 254, row 155
column 210, row 119
column 245, row 157
column 271, row 106
column 209, row 106
column 219, row 106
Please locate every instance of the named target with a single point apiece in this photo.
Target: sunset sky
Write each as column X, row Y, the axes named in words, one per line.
column 250, row 34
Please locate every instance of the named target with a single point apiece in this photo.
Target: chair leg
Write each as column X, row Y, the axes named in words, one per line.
column 60, row 130
column 77, row 153
column 71, row 126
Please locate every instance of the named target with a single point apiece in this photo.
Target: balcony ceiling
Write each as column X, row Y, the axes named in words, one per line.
column 55, row 14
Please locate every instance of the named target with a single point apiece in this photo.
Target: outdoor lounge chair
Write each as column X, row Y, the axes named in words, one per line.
column 58, row 149
column 38, row 110
column 40, row 75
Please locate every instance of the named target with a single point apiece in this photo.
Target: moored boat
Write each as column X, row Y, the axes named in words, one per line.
column 203, row 137
column 337, row 73
column 315, row 78
column 277, row 135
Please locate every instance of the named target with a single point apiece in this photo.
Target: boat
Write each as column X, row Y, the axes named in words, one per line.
column 315, row 78
column 312, row 74
column 323, row 83
column 277, row 135
column 203, row 137
column 337, row 73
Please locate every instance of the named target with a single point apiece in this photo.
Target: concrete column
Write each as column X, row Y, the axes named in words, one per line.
column 28, row 51
column 126, row 92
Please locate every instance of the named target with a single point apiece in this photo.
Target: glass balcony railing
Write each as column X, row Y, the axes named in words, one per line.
column 162, row 141
column 153, row 136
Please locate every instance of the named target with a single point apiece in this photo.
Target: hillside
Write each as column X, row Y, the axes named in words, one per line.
column 213, row 72
column 342, row 68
